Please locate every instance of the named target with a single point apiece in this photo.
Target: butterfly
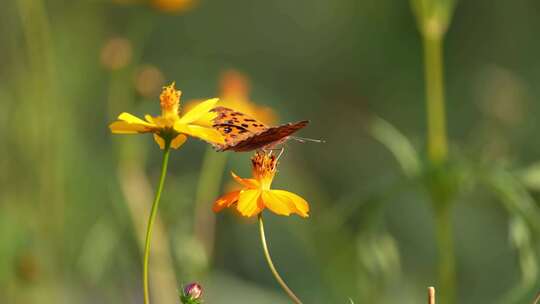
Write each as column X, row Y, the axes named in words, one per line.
column 243, row 133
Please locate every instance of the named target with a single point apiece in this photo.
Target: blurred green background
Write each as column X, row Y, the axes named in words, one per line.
column 74, row 198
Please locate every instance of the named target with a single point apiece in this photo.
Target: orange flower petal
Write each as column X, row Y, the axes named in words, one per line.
column 301, row 205
column 160, row 141
column 278, row 204
column 178, row 141
column 248, row 203
column 226, row 201
column 246, row 182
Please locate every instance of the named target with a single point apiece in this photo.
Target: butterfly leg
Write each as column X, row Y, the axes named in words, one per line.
column 280, row 153
column 281, row 150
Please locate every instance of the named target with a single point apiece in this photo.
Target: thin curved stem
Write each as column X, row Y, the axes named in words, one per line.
column 151, row 220
column 286, row 288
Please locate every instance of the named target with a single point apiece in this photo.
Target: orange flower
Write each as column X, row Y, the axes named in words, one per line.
column 257, row 195
column 169, row 126
column 234, row 94
column 173, row 6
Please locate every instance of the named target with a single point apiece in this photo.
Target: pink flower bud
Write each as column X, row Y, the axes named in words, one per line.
column 193, row 290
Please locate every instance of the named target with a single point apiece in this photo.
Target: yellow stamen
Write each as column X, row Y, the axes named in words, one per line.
column 264, row 168
column 170, row 101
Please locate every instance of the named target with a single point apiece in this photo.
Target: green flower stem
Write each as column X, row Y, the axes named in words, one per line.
column 286, row 288
column 436, row 117
column 151, row 220
column 433, row 18
column 438, row 154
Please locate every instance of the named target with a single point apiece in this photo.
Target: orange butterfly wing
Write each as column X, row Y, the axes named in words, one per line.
column 243, row 133
column 272, row 136
column 234, row 127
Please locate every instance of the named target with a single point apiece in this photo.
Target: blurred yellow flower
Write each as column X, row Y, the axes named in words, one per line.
column 234, row 94
column 173, row 6
column 257, row 195
column 169, row 126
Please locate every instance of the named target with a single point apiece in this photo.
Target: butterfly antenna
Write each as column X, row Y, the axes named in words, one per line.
column 304, row 139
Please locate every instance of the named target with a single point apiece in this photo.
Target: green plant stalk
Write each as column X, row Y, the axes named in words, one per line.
column 152, row 218
column 284, row 286
column 436, row 116
column 438, row 155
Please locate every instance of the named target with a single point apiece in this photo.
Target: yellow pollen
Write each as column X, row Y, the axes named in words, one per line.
column 170, row 100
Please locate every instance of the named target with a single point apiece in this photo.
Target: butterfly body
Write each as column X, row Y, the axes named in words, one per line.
column 243, row 133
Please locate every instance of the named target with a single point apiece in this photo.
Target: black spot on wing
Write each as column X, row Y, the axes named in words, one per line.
column 228, row 128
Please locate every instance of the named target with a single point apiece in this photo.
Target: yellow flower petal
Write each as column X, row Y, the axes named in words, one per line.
column 206, row 120
column 250, row 183
column 163, row 122
column 160, row 141
column 133, row 119
column 178, row 141
column 181, row 128
column 207, row 134
column 122, row 127
column 248, row 203
column 199, row 111
column 130, row 124
column 278, row 204
column 225, row 201
column 149, row 118
column 300, row 204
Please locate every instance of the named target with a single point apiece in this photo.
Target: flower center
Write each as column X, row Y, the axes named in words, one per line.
column 264, row 168
column 169, row 102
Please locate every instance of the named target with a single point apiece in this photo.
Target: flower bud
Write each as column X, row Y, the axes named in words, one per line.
column 192, row 294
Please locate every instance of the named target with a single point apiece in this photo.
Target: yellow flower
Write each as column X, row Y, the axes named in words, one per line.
column 257, row 195
column 234, row 94
column 169, row 126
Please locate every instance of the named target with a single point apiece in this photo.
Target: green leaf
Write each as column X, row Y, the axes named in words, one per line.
column 398, row 144
column 520, row 236
column 515, row 196
column 524, row 223
column 530, row 176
